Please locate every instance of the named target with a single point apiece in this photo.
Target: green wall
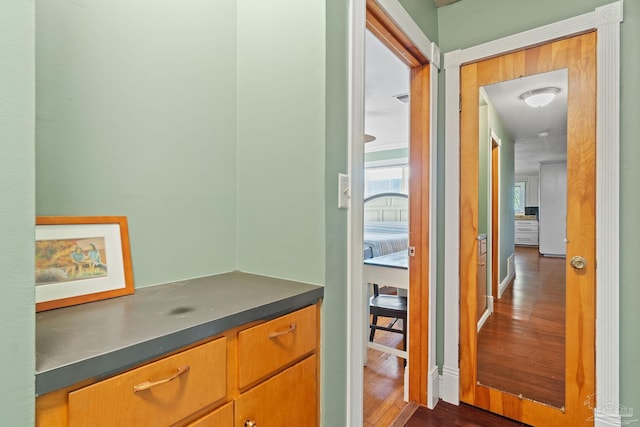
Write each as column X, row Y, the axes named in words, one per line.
column 507, row 179
column 334, row 334
column 490, row 120
column 17, row 114
column 395, row 154
column 281, row 135
column 136, row 116
column 425, row 14
column 458, row 28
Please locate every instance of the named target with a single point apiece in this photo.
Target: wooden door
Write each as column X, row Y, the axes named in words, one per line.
column 385, row 29
column 578, row 56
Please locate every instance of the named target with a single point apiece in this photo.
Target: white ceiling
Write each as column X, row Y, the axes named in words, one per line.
column 524, row 123
column 388, row 119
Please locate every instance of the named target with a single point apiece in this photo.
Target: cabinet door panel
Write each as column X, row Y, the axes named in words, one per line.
column 287, row 399
column 222, row 416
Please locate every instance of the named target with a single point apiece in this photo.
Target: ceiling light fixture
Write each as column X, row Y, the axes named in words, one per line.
column 540, row 97
column 369, row 138
column 403, row 98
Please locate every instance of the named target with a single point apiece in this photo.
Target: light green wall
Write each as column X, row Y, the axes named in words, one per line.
column 483, row 168
column 398, row 153
column 458, row 28
column 630, row 206
column 491, row 120
column 281, row 126
column 17, row 114
column 136, row 116
column 334, row 334
column 425, row 14
column 507, row 163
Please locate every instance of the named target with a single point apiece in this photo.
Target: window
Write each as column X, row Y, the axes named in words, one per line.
column 388, row 179
column 518, row 197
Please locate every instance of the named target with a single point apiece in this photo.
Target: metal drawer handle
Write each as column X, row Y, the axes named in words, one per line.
column 148, row 384
column 286, row 331
column 250, row 423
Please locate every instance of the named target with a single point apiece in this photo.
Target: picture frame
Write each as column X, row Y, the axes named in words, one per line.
column 81, row 259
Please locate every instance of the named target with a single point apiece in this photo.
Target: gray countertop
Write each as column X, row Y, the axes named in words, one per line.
column 99, row 339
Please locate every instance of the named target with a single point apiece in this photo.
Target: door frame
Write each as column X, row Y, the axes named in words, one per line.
column 423, row 371
column 606, row 21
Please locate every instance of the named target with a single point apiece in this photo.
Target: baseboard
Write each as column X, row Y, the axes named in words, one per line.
column 433, row 393
column 450, row 387
column 511, row 274
column 483, row 319
column 602, row 419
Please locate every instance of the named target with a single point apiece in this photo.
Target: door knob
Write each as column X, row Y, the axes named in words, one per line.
column 578, row 262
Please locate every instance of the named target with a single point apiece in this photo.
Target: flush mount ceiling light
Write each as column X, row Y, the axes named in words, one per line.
column 403, row 98
column 540, row 97
column 369, row 138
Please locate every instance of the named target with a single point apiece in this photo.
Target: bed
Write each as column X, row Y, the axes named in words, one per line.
column 386, row 224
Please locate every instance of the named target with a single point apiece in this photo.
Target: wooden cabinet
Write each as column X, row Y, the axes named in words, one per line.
column 286, row 399
column 553, row 208
column 162, row 392
column 265, row 372
column 531, row 191
column 482, row 276
column 526, row 232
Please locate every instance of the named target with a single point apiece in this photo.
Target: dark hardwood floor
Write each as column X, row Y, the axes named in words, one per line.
column 448, row 415
column 521, row 346
column 383, row 382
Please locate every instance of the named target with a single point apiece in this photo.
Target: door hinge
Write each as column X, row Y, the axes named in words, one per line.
column 460, row 103
column 412, row 251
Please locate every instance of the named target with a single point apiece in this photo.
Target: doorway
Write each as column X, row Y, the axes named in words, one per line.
column 577, row 55
column 389, row 23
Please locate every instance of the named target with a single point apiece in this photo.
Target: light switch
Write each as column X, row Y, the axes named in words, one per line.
column 343, row 191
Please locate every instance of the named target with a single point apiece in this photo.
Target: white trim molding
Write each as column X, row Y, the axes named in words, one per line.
column 403, row 20
column 433, row 393
column 356, row 318
column 356, row 324
column 606, row 20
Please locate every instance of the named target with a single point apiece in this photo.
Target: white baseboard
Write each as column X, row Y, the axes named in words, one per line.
column 483, row 319
column 433, row 394
column 602, row 419
column 450, row 388
column 511, row 274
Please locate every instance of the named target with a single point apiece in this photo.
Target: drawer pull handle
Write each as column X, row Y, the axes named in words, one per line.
column 250, row 423
column 148, row 384
column 286, row 331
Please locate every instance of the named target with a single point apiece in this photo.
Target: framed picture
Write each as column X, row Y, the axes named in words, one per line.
column 81, row 259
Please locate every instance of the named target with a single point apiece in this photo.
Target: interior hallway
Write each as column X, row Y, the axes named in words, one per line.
column 521, row 346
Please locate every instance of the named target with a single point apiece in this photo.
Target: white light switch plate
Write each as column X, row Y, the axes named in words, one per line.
column 343, row 191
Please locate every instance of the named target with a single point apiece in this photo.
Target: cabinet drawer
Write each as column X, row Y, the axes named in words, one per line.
column 222, row 416
column 526, row 238
column 265, row 348
column 526, row 227
column 168, row 390
column 287, row 399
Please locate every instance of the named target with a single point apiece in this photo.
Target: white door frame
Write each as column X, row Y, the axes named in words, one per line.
column 606, row 21
column 356, row 291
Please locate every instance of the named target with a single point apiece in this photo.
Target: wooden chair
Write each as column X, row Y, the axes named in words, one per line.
column 386, row 305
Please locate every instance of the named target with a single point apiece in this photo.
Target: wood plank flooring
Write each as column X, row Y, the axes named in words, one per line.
column 448, row 415
column 383, row 381
column 521, row 346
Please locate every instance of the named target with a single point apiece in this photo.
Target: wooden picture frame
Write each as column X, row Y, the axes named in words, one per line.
column 81, row 259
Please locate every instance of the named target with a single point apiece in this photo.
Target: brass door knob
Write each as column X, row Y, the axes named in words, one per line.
column 250, row 423
column 578, row 262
